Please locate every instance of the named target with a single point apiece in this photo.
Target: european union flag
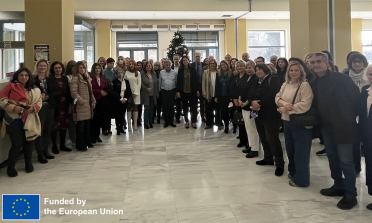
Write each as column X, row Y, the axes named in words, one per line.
column 21, row 206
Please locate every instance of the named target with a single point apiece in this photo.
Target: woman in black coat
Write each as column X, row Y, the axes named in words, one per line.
column 365, row 121
column 48, row 87
column 262, row 100
column 122, row 88
column 61, row 116
column 187, row 87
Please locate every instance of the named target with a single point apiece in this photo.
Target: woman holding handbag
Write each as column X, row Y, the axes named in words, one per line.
column 237, row 89
column 295, row 97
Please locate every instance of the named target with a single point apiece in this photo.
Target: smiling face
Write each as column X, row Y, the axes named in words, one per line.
column 212, row 65
column 223, row 66
column 42, row 68
column 97, row 70
column 81, row 69
column 281, row 64
column 249, row 70
column 260, row 73
column 295, row 73
column 318, row 65
column 185, row 61
column 57, row 69
column 148, row 67
column 273, row 60
column 240, row 67
column 102, row 61
column 23, row 77
column 357, row 64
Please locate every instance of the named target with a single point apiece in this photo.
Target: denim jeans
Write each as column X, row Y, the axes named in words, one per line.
column 340, row 157
column 298, row 141
column 149, row 110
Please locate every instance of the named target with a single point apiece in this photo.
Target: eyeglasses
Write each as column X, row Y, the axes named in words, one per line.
column 212, row 63
column 357, row 61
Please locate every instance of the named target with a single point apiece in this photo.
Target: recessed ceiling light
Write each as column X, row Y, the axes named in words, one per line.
column 92, row 17
column 185, row 14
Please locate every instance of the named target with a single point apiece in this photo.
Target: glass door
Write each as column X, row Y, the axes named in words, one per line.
column 11, row 61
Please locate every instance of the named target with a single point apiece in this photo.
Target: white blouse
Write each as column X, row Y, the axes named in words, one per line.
column 134, row 82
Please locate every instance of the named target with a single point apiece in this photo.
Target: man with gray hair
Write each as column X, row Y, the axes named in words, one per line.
column 274, row 60
column 337, row 100
column 245, row 57
column 199, row 73
column 167, row 85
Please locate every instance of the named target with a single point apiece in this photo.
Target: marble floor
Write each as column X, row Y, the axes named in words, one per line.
column 180, row 175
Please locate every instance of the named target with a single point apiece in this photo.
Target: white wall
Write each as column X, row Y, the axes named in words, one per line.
column 283, row 24
column 367, row 23
column 164, row 39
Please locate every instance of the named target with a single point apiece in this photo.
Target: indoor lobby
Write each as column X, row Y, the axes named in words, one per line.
column 176, row 174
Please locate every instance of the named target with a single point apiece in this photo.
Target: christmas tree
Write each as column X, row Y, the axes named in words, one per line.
column 176, row 46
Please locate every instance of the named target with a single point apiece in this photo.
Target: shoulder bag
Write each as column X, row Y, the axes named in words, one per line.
column 309, row 118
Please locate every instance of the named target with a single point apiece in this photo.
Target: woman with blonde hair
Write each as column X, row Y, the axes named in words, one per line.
column 49, row 92
column 209, row 85
column 222, row 94
column 295, row 97
column 84, row 103
column 134, row 78
column 102, row 61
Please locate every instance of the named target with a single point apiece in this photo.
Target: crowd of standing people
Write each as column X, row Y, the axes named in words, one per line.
column 305, row 99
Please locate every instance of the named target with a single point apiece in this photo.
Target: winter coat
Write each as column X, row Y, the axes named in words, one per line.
column 82, row 91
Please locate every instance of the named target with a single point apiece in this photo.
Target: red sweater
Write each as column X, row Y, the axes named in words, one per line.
column 98, row 88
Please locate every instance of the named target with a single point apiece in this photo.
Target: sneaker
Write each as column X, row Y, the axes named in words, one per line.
column 279, row 171
column 264, row 162
column 347, row 203
column 292, row 183
column 321, row 152
column 331, row 192
column 252, row 154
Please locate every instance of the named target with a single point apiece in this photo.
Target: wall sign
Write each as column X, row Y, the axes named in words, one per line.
column 41, row 52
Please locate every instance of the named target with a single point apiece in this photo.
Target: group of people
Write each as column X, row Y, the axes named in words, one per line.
column 258, row 98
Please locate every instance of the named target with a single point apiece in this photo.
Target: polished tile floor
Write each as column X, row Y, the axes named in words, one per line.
column 180, row 175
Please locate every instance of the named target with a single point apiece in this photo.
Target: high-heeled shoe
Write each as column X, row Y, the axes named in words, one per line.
column 42, row 159
column 47, row 155
column 55, row 149
column 187, row 125
column 193, row 125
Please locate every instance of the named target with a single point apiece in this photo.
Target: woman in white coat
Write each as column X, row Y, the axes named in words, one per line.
column 134, row 78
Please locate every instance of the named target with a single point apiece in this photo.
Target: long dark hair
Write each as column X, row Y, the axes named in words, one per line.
column 70, row 67
column 93, row 70
column 31, row 81
column 181, row 64
column 278, row 69
column 51, row 70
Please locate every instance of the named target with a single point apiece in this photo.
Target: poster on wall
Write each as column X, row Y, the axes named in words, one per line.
column 41, row 52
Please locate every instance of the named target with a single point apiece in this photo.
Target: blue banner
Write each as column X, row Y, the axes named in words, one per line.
column 21, row 207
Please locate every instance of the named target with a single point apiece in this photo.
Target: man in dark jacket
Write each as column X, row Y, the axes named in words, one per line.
column 199, row 73
column 336, row 97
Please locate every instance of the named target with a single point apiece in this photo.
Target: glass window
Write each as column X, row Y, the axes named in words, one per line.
column 367, row 44
column 84, row 44
column 205, row 43
column 266, row 43
column 137, row 45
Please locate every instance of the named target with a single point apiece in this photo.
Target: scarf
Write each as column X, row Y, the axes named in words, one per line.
column 359, row 78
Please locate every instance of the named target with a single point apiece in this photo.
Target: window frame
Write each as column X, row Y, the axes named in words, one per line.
column 366, row 46
column 193, row 49
column 276, row 46
column 132, row 49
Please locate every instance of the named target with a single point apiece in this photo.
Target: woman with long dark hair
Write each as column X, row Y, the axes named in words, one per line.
column 157, row 69
column 21, row 100
column 187, row 87
column 222, row 94
column 149, row 93
column 61, row 117
column 281, row 69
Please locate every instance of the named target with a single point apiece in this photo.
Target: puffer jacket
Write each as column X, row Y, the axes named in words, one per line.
column 82, row 91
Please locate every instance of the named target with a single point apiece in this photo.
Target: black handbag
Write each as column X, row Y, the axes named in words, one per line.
column 238, row 118
column 309, row 118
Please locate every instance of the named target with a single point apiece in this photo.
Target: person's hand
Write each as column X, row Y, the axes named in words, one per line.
column 282, row 110
column 103, row 93
column 255, row 105
column 216, row 100
column 123, row 101
column 149, row 90
column 197, row 93
column 235, row 72
column 236, row 103
column 18, row 109
column 288, row 107
column 134, row 96
column 243, row 104
column 42, row 96
column 29, row 111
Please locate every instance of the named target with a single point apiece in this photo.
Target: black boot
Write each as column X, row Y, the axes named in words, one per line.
column 234, row 128
column 29, row 168
column 55, row 149
column 47, row 155
column 227, row 129
column 11, row 172
column 41, row 159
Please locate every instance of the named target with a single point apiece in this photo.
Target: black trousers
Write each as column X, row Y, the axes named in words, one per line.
column 202, row 106
column 83, row 134
column 223, row 109
column 18, row 139
column 168, row 105
column 99, row 121
column 139, row 119
column 268, row 130
column 120, row 119
column 189, row 100
column 178, row 104
column 158, row 107
column 46, row 116
column 210, row 106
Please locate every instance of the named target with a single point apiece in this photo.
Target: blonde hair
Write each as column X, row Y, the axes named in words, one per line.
column 75, row 71
column 369, row 67
column 229, row 72
column 159, row 64
column 239, row 62
column 302, row 78
column 37, row 64
column 250, row 63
